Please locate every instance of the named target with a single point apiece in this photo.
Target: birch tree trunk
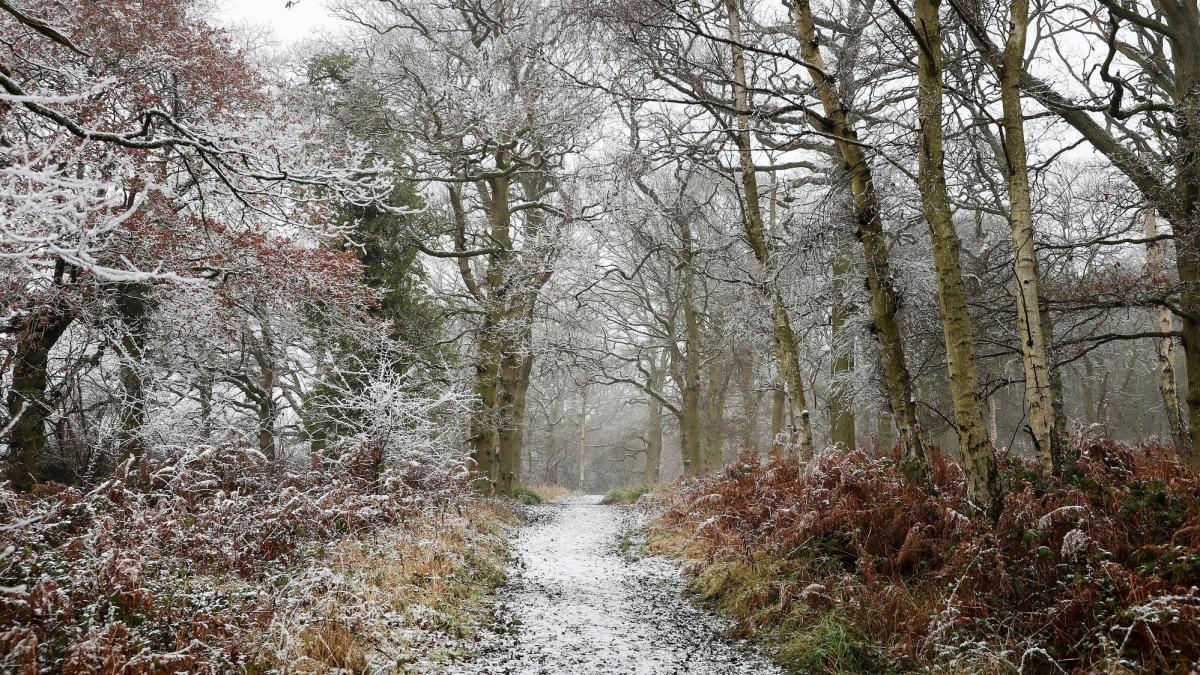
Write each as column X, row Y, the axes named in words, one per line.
column 885, row 303
column 1034, row 353
column 1165, row 346
column 975, row 448
column 1178, row 197
column 1183, row 17
column 785, row 337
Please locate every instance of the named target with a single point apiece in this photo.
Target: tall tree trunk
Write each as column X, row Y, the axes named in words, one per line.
column 1165, row 346
column 885, row 302
column 1034, row 350
column 27, row 401
column 717, row 376
column 975, row 448
column 134, row 309
column 490, row 389
column 1183, row 17
column 510, row 408
column 268, row 410
column 484, row 442
column 1056, row 385
column 750, row 400
column 785, row 337
column 204, row 394
column 841, row 397
column 778, row 401
column 516, row 367
column 581, row 483
column 654, row 429
column 690, row 442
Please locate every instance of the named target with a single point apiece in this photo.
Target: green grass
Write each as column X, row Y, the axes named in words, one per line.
column 801, row 638
column 525, row 495
column 831, row 645
column 628, row 494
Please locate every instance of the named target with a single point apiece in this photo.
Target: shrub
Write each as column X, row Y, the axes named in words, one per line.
column 147, row 571
column 628, row 494
column 526, row 495
column 1086, row 572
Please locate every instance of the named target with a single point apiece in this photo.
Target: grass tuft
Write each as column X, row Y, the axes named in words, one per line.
column 428, row 577
column 549, row 492
column 832, row 645
column 629, row 494
column 526, row 495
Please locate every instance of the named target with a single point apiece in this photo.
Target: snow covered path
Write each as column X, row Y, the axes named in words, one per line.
column 575, row 604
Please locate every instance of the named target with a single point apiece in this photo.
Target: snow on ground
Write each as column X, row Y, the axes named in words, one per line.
column 576, row 604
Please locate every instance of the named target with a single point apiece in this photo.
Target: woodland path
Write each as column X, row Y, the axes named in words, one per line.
column 575, row 603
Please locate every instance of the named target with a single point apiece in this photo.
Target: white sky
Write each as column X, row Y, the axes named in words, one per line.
column 302, row 20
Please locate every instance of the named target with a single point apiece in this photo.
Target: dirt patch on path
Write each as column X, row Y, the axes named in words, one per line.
column 575, row 603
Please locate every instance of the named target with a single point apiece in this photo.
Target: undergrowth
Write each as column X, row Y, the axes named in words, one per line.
column 629, row 494
column 407, row 598
column 548, row 492
column 217, row 560
column 856, row 566
column 526, row 495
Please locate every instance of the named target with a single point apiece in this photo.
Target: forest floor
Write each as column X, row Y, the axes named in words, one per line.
column 581, row 598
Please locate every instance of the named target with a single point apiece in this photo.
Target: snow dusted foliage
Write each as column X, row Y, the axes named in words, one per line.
column 173, row 269
column 126, row 121
column 199, row 394
column 1093, row 572
column 173, row 564
column 379, row 395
